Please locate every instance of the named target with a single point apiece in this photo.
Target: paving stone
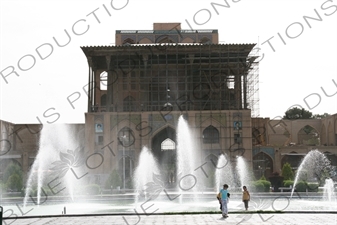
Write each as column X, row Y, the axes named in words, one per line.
column 195, row 219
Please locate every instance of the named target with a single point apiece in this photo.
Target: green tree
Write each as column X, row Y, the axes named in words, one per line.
column 114, row 180
column 320, row 116
column 263, row 178
column 12, row 177
column 297, row 113
column 287, row 172
column 12, row 168
column 14, row 182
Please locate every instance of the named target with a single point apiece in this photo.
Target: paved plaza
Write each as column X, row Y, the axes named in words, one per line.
column 180, row 219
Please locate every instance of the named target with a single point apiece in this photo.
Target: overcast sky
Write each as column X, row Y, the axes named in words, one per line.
column 299, row 64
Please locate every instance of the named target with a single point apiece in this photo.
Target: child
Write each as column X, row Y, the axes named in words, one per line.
column 219, row 199
column 224, row 195
column 245, row 196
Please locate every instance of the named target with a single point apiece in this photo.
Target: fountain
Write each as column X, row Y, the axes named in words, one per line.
column 314, row 167
column 186, row 152
column 234, row 178
column 224, row 173
column 243, row 172
column 58, row 146
column 329, row 191
column 56, row 142
column 146, row 171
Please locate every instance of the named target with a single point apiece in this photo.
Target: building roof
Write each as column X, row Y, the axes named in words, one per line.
column 168, row 47
column 173, row 31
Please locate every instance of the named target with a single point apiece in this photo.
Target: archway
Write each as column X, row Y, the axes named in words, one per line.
column 103, row 84
column 205, row 40
column 210, row 135
column 308, row 136
column 128, row 41
column 145, row 41
column 262, row 165
column 164, row 150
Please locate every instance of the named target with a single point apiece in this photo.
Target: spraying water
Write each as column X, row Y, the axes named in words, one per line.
column 146, row 170
column 56, row 147
column 242, row 170
column 186, row 152
column 329, row 190
column 223, row 172
column 313, row 166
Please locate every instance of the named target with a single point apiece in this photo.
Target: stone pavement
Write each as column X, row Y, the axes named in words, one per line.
column 181, row 219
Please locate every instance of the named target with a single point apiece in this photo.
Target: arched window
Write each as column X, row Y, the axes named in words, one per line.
column 308, row 136
column 168, row 144
column 145, row 41
column 103, row 85
column 205, row 40
column 128, row 41
column 210, row 135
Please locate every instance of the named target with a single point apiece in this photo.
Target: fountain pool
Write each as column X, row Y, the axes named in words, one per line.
column 161, row 199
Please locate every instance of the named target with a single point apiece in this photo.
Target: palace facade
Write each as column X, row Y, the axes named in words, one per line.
column 140, row 87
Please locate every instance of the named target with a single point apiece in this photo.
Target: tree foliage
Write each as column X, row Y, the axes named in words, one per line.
column 14, row 182
column 287, row 172
column 12, row 177
column 320, row 116
column 297, row 113
column 114, row 180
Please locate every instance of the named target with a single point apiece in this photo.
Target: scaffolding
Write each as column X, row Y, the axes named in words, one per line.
column 152, row 78
column 180, row 77
column 253, row 83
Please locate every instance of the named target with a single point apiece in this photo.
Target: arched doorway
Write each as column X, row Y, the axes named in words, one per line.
column 164, row 150
column 262, row 165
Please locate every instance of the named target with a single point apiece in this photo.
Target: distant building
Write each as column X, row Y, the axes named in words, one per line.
column 147, row 80
column 140, row 87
